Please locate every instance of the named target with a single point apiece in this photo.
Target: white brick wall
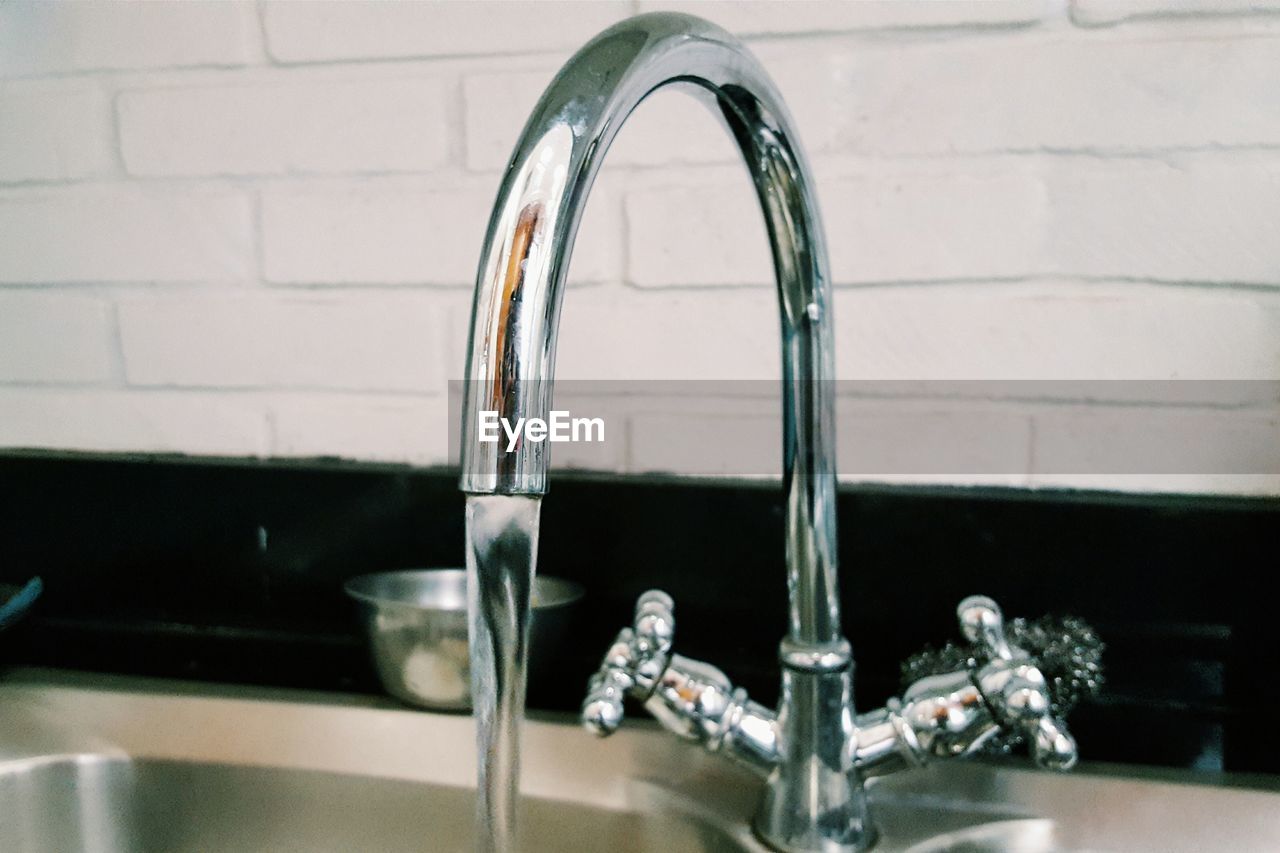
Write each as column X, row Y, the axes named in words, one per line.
column 121, row 232
column 1042, row 330
column 119, row 421
column 60, row 136
column 74, row 36
column 306, row 341
column 769, row 17
column 320, row 31
column 1115, row 91
column 250, row 228
column 266, row 128
column 55, row 338
column 885, row 224
column 379, row 234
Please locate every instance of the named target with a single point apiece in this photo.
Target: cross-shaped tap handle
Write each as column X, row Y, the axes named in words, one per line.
column 634, row 663
column 1014, row 686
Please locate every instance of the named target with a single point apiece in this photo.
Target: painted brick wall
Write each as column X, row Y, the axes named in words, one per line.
column 251, row 228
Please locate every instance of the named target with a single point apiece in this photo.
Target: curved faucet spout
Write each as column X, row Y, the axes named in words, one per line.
column 520, row 284
column 511, row 354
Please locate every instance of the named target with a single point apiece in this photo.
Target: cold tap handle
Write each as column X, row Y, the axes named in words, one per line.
column 602, row 709
column 633, row 664
column 655, row 631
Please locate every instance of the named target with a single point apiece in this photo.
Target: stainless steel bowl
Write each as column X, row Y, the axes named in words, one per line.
column 416, row 621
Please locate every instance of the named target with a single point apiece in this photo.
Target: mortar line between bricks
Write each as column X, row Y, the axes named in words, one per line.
column 248, row 287
column 841, row 165
column 259, row 390
column 118, row 367
column 948, row 402
column 104, row 72
column 1171, row 17
column 1047, row 278
column 1070, row 278
column 258, row 238
column 121, row 171
column 456, row 114
column 263, row 50
column 57, row 386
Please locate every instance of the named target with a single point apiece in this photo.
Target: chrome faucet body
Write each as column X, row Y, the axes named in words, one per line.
column 814, row 751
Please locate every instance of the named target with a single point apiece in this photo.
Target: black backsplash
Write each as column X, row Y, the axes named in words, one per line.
column 233, row 572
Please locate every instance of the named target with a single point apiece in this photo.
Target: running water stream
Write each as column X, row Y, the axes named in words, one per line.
column 502, row 550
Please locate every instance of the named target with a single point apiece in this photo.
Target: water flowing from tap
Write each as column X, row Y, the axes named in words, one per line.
column 502, row 552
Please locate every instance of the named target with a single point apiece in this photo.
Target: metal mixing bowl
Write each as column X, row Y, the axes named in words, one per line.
column 416, row 621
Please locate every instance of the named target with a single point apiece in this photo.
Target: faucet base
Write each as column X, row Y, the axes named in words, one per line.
column 815, row 802
column 865, row 842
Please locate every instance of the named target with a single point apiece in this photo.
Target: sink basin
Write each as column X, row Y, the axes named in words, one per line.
column 114, row 804
column 108, row 765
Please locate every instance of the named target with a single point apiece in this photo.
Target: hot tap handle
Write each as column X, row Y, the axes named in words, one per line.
column 1014, row 686
column 982, row 623
column 633, row 664
column 1008, row 684
column 1019, row 695
column 1052, row 746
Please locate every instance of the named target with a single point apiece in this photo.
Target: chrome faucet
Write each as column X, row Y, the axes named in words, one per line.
column 815, row 751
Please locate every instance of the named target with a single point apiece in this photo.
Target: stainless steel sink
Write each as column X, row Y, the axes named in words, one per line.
column 106, row 764
column 114, row 804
